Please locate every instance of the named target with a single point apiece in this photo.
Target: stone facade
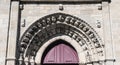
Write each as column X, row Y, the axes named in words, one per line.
column 18, row 18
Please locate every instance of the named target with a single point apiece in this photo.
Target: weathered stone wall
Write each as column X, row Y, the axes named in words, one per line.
column 4, row 20
column 115, row 19
column 87, row 12
column 90, row 13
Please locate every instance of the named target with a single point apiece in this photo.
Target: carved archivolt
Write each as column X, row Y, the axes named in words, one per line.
column 60, row 24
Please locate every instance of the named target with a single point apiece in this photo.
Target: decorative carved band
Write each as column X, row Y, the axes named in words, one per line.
column 60, row 24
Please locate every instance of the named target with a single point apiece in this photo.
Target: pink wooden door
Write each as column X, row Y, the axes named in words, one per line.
column 61, row 54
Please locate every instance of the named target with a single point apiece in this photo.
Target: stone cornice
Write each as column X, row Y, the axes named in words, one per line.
column 82, row 1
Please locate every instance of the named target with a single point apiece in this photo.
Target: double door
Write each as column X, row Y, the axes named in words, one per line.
column 61, row 54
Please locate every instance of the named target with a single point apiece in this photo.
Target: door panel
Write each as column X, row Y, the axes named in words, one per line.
column 61, row 54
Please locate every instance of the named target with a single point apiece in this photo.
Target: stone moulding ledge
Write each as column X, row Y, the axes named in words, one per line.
column 60, row 0
column 77, row 1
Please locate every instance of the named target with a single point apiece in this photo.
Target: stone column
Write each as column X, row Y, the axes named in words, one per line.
column 96, row 64
column 4, row 21
column 89, row 64
column 21, row 60
column 107, row 34
column 32, row 60
column 12, row 38
column 26, row 61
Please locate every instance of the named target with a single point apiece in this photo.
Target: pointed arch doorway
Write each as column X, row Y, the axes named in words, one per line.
column 60, row 53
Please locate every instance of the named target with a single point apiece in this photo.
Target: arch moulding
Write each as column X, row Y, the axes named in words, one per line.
column 61, row 26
